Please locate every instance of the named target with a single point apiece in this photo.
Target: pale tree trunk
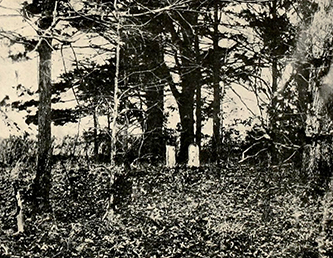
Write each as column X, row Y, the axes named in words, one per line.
column 95, row 118
column 193, row 156
column 170, row 156
column 115, row 95
column 317, row 155
column 317, row 160
column 111, row 205
column 19, row 206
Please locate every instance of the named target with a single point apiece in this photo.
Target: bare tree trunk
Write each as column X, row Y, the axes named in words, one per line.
column 198, row 96
column 95, row 132
column 186, row 99
column 216, row 140
column 42, row 181
column 185, row 61
column 115, row 95
column 273, row 109
column 186, row 108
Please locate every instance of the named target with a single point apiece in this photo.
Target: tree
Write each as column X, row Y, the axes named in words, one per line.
column 148, row 58
column 272, row 26
column 48, row 11
column 42, row 181
column 317, row 160
column 183, row 38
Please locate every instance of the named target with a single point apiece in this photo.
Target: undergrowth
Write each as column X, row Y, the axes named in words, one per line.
column 239, row 211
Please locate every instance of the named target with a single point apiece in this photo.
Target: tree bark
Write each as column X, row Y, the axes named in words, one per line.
column 42, row 181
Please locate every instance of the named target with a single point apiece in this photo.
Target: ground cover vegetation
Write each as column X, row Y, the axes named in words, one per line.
column 235, row 210
column 265, row 192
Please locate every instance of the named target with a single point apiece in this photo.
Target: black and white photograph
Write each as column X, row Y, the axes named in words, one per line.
column 166, row 128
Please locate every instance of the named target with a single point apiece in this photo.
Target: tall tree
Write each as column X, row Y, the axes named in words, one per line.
column 42, row 181
column 272, row 26
column 181, row 45
column 318, row 161
column 186, row 68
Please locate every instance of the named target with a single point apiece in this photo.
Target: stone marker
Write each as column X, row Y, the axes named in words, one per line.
column 193, row 156
column 170, row 156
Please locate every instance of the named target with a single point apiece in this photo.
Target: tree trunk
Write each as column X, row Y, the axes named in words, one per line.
column 115, row 94
column 216, row 140
column 95, row 132
column 325, row 239
column 19, row 206
column 198, row 95
column 185, row 59
column 186, row 108
column 273, row 113
column 275, row 74
column 42, row 181
column 154, row 144
column 302, row 83
column 317, row 161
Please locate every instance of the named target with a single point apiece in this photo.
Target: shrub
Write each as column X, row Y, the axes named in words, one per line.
column 17, row 149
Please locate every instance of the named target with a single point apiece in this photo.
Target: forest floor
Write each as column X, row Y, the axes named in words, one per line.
column 234, row 211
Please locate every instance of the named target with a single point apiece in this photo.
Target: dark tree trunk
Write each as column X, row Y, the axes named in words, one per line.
column 154, row 144
column 302, row 78
column 186, row 104
column 275, row 74
column 186, row 99
column 273, row 113
column 185, row 58
column 42, row 181
column 198, row 101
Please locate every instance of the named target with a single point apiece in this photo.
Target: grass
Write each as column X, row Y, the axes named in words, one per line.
column 239, row 211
